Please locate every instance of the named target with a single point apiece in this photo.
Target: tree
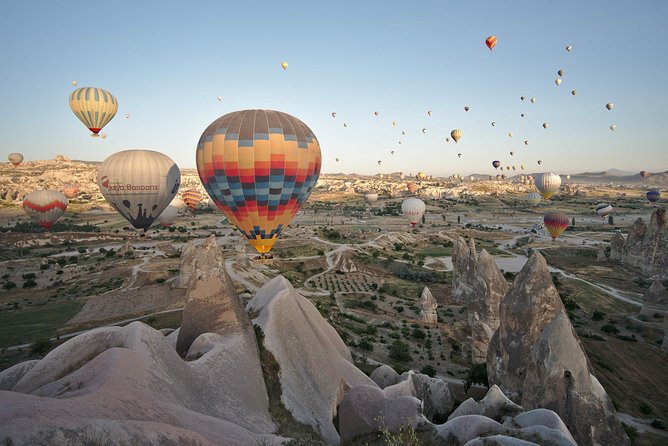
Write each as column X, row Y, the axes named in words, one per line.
column 573, row 222
column 611, row 221
column 400, row 351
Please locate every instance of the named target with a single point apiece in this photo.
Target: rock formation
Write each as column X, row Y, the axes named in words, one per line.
column 315, row 364
column 535, row 357
column 600, row 255
column 664, row 344
column 657, row 294
column 428, row 307
column 646, row 246
column 436, row 396
column 384, row 376
column 464, row 258
column 616, row 246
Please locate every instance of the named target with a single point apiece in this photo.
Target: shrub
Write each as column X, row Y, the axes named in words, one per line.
column 400, row 351
column 610, row 329
column 30, row 283
column 645, row 409
column 428, row 370
column 418, row 333
column 477, row 375
column 41, row 347
column 659, row 424
column 8, row 285
column 597, row 315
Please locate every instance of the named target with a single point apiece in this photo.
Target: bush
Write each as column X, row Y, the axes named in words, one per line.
column 428, row 370
column 400, row 351
column 610, row 329
column 8, row 285
column 645, row 409
column 597, row 315
column 41, row 347
column 418, row 333
column 30, row 283
column 477, row 375
column 659, row 424
column 631, row 431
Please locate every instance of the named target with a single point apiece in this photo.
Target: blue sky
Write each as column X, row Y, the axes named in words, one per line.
column 167, row 62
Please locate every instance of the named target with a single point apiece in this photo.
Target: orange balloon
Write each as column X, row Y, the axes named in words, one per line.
column 491, row 42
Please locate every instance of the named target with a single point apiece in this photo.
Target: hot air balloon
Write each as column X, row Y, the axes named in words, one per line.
column 644, row 173
column 220, row 98
column 548, row 184
column 521, row 98
column 459, row 155
column 139, row 184
column 167, row 216
column 653, row 196
column 545, row 125
column 391, row 152
column 103, row 135
column 259, row 166
column 512, row 153
column 94, row 107
column 510, row 134
column 345, row 124
column 413, row 209
column 514, row 168
column 71, row 190
column 613, row 127
column 45, row 206
column 521, row 115
column 569, row 48
column 412, row 187
column 556, row 223
column 522, row 167
column 191, row 198
column 15, row 158
column 533, row 198
column 526, row 142
column 394, row 123
column 490, row 42
column 127, row 116
column 402, row 176
column 496, row 164
column 493, row 123
column 403, row 133
column 507, row 167
column 609, row 105
column 424, row 130
column 429, row 113
column 456, row 134
column 603, row 209
column 574, row 92
column 399, row 142
column 333, row 114
column 557, row 81
column 375, row 113
column 284, row 65
column 540, row 162
column 447, row 139
column 466, row 108
column 421, row 176
column 337, row 160
column 533, row 100
column 560, row 73
column 568, row 177
column 75, row 83
column 370, row 198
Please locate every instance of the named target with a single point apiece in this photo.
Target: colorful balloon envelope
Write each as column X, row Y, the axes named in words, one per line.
column 496, row 164
column 259, row 166
column 412, row 187
column 548, row 184
column 413, row 209
column 534, row 198
column 15, row 158
column 603, row 209
column 191, row 198
column 71, row 190
column 644, row 174
column 490, row 42
column 139, row 184
column 284, row 65
column 167, row 216
column 556, row 223
column 653, row 196
column 456, row 134
column 95, row 107
column 45, row 206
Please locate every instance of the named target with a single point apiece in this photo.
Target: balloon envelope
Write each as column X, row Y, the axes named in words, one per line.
column 413, row 209
column 259, row 166
column 45, row 206
column 644, row 173
column 167, row 217
column 370, row 198
column 95, row 107
column 496, row 164
column 490, row 42
column 556, row 223
column 191, row 198
column 534, row 198
column 139, row 184
column 603, row 209
column 547, row 184
column 456, row 134
column 71, row 190
column 15, row 158
column 653, row 195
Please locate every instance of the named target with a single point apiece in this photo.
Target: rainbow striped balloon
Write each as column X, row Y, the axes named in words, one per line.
column 259, row 167
column 94, row 107
column 45, row 206
column 556, row 223
column 191, row 198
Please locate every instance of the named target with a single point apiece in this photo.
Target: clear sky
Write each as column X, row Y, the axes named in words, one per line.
column 167, row 62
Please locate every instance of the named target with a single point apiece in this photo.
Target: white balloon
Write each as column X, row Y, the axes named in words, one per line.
column 167, row 216
column 413, row 209
column 45, row 206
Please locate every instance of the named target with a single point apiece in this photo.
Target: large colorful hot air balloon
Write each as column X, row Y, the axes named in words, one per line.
column 259, row 166
column 15, row 158
column 490, row 42
column 547, row 184
column 496, row 164
column 644, row 174
column 412, row 187
column 653, row 196
column 191, row 198
column 139, row 184
column 71, row 190
column 603, row 209
column 370, row 198
column 556, row 223
column 413, row 209
column 167, row 216
column 533, row 198
column 94, row 107
column 45, row 206
column 456, row 134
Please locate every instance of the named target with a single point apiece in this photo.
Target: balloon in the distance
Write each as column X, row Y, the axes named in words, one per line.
column 456, row 134
column 167, row 216
column 534, row 198
column 45, row 206
column 548, row 184
column 71, row 190
column 653, row 196
column 284, row 65
column 191, row 198
column 370, row 198
column 15, row 158
column 139, row 184
column 490, row 42
column 259, row 166
column 603, row 209
column 556, row 223
column 496, row 164
column 644, row 173
column 413, row 209
column 609, row 105
column 95, row 107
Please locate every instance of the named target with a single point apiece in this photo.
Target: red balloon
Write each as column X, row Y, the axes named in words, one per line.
column 491, row 42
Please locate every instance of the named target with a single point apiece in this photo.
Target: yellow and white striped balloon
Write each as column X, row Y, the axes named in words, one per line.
column 548, row 184
column 95, row 107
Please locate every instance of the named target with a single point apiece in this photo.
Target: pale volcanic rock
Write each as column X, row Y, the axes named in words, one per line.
column 464, row 258
column 365, row 409
column 536, row 358
column 494, row 405
column 657, row 294
column 499, row 440
column 384, row 376
column 646, row 246
column 616, row 246
column 428, row 307
column 128, row 383
column 436, row 396
column 315, row 364
column 9, row 377
column 192, row 258
column 600, row 255
column 468, row 407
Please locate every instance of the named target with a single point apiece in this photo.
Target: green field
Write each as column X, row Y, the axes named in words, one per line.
column 31, row 325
